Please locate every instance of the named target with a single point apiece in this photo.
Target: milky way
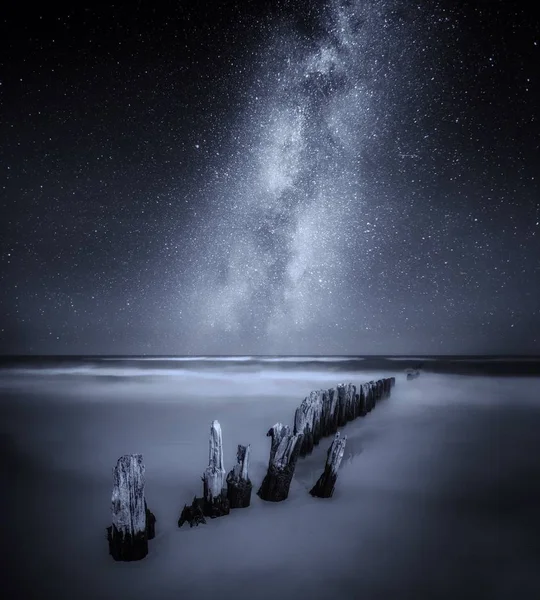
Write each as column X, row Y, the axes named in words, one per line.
column 286, row 257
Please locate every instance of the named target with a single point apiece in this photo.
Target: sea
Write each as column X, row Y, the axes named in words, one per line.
column 437, row 494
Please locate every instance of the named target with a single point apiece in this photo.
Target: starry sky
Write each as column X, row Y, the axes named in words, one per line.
column 293, row 177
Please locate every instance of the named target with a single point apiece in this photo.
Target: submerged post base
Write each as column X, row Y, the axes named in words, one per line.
column 126, row 547
column 193, row 513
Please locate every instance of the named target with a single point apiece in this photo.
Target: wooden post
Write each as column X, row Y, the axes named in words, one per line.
column 331, row 398
column 371, row 396
column 342, row 405
column 132, row 523
column 324, row 488
column 307, row 421
column 216, row 503
column 350, row 396
column 283, row 456
column 238, row 484
column 364, row 399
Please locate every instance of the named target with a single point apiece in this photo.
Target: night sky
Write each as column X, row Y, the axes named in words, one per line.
column 286, row 177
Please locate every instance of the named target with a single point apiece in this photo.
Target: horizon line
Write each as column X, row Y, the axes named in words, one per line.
column 149, row 355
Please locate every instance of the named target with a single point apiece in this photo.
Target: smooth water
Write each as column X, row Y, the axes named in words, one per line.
column 437, row 496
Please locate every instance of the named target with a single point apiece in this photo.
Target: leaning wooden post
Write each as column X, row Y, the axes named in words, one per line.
column 132, row 523
column 216, row 503
column 324, row 488
column 283, row 456
column 238, row 484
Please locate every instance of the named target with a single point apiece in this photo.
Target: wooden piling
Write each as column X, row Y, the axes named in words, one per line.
column 133, row 524
column 324, row 488
column 284, row 452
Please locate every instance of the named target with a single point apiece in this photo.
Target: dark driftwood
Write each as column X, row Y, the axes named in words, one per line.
column 324, row 488
column 283, row 456
column 193, row 513
column 132, row 522
column 238, row 484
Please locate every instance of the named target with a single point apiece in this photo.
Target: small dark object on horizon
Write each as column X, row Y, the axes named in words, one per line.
column 412, row 374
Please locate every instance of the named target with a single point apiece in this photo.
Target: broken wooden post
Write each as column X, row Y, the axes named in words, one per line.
column 283, row 456
column 324, row 488
column 238, row 484
column 132, row 523
column 216, row 503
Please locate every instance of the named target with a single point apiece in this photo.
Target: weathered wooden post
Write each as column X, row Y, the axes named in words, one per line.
column 238, row 484
column 307, row 421
column 324, row 488
column 350, row 395
column 364, row 399
column 326, row 413
column 132, row 523
column 216, row 503
column 330, row 411
column 387, row 386
column 283, row 456
column 380, row 389
column 371, row 396
column 342, row 405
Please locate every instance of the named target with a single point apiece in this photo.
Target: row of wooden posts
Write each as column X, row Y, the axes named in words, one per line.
column 320, row 415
